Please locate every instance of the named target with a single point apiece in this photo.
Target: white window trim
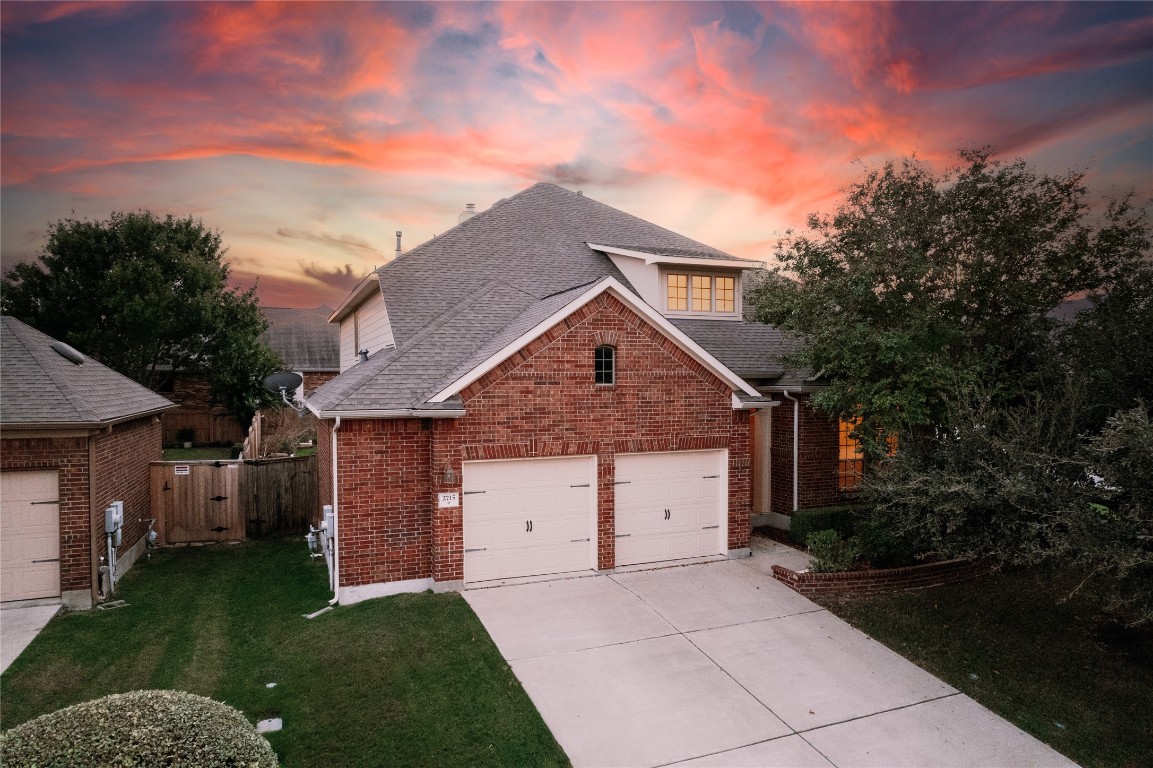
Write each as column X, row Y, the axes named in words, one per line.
column 701, row 314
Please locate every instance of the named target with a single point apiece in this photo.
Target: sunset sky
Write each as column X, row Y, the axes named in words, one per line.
column 309, row 133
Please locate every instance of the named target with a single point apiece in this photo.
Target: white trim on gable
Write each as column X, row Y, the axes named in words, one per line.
column 356, row 297
column 656, row 258
column 630, row 299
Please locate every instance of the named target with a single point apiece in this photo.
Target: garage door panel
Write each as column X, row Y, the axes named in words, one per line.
column 678, row 513
column 29, row 535
column 557, row 495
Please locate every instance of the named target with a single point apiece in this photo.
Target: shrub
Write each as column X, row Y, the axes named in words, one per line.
column 807, row 521
column 880, row 546
column 139, row 728
column 830, row 552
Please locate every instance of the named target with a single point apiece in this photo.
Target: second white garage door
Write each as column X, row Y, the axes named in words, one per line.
column 670, row 505
column 29, row 535
column 529, row 517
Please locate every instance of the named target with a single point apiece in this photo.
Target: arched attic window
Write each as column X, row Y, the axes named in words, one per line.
column 605, row 364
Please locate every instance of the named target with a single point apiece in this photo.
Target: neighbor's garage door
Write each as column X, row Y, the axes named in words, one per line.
column 29, row 535
column 669, row 505
column 529, row 517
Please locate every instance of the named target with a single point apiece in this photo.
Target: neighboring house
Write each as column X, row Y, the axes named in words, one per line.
column 306, row 342
column 75, row 436
column 552, row 386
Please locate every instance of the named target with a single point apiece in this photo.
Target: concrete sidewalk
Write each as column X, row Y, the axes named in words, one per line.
column 19, row 626
column 718, row 664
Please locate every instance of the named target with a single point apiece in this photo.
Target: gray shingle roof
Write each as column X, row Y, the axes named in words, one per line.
column 303, row 338
column 39, row 387
column 750, row 350
column 461, row 297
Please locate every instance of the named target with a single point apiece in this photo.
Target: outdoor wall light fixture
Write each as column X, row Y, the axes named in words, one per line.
column 449, row 475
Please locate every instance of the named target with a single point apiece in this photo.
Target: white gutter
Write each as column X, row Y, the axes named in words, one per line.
column 393, row 413
column 796, row 435
column 336, row 526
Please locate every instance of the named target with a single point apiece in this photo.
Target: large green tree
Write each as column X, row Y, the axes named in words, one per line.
column 145, row 295
column 923, row 284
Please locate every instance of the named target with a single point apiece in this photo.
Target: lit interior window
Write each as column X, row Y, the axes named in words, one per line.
column 678, row 292
column 852, row 458
column 726, row 294
column 702, row 293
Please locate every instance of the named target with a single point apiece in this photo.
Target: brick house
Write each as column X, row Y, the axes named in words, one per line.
column 556, row 386
column 75, row 437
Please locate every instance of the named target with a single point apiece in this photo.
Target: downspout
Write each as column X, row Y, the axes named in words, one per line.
column 796, row 441
column 335, row 516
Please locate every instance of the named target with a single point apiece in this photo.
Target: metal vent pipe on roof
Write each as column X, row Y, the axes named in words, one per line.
column 399, row 252
column 468, row 212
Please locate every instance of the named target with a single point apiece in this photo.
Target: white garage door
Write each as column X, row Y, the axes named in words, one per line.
column 670, row 505
column 529, row 517
column 29, row 535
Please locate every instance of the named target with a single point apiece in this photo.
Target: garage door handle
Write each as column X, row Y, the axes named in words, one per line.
column 477, row 549
column 622, row 535
column 584, row 485
column 469, row 493
column 622, row 482
column 574, row 541
column 49, row 560
column 707, row 527
column 34, row 503
column 710, row 477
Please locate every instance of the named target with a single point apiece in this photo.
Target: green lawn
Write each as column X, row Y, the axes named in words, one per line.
column 1055, row 670
column 407, row 680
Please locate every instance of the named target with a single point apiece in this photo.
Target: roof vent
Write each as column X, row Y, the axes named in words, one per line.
column 68, row 353
column 399, row 252
column 468, row 212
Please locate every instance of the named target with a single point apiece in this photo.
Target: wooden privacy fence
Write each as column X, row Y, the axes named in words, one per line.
column 232, row 500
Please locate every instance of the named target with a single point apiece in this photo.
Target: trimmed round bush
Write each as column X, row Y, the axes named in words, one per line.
column 139, row 728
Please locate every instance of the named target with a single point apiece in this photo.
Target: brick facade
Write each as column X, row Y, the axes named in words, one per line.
column 540, row 402
column 313, row 380
column 93, row 471
column 818, row 458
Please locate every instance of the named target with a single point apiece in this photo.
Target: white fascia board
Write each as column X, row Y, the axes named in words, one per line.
column 356, row 297
column 392, row 413
column 630, row 299
column 740, row 405
column 656, row 258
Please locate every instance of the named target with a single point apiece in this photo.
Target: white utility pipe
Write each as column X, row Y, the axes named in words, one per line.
column 796, row 437
column 335, row 526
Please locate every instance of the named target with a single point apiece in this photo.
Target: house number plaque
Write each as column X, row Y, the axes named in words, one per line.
column 447, row 500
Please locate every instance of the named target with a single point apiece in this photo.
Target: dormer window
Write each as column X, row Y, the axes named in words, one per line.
column 700, row 293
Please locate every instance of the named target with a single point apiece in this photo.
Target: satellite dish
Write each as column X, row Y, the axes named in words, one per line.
column 68, row 353
column 283, row 380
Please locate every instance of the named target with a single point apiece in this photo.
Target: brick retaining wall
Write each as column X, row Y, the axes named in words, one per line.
column 880, row 579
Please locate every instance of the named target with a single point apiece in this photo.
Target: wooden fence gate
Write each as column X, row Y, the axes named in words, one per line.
column 233, row 500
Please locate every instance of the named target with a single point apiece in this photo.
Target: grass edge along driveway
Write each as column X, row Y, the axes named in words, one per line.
column 1053, row 668
column 406, row 680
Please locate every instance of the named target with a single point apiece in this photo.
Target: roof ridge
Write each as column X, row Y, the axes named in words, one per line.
column 460, row 224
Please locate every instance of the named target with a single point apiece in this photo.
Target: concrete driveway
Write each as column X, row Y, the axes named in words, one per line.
column 718, row 664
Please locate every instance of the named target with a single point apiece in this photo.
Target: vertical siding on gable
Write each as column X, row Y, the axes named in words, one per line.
column 375, row 328
column 366, row 328
column 348, row 342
